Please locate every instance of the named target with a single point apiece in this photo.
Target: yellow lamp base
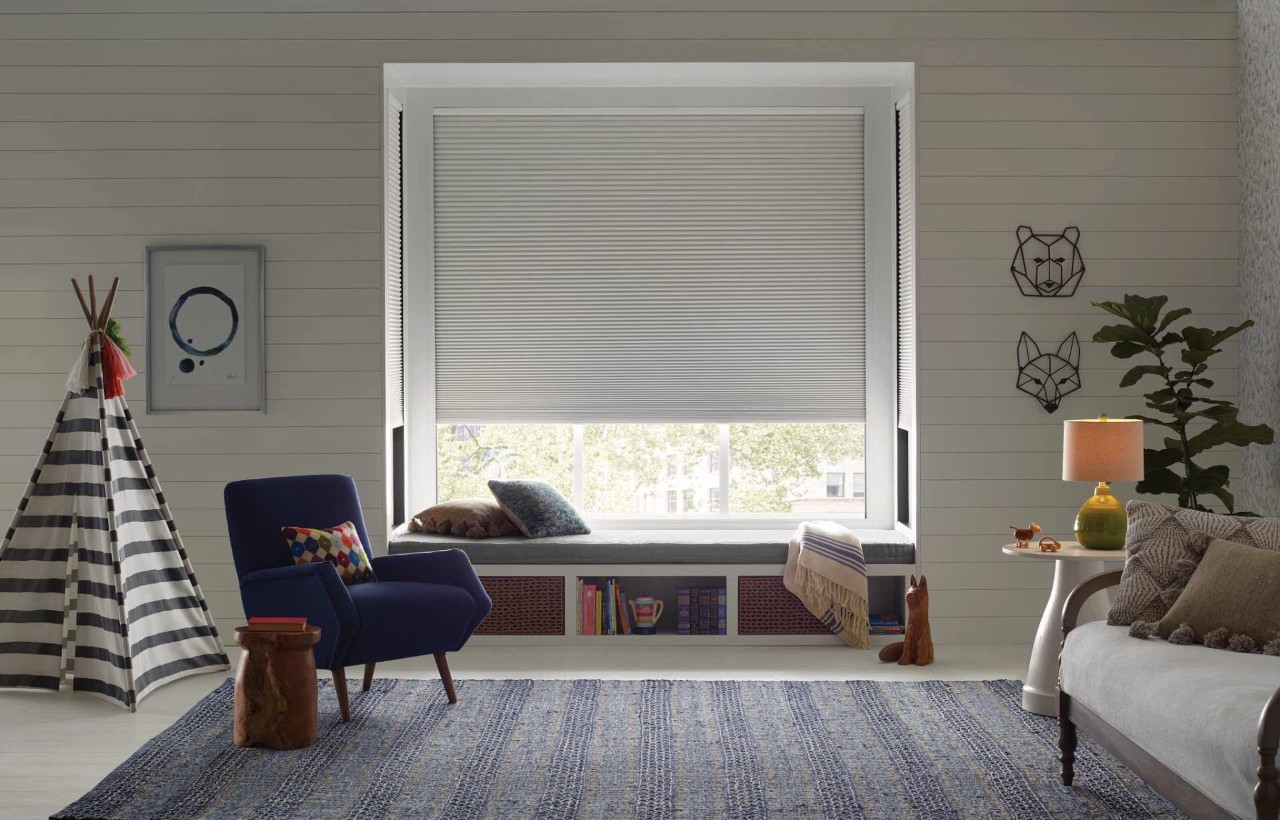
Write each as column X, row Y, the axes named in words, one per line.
column 1102, row 522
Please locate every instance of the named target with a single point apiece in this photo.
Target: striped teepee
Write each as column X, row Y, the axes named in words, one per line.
column 95, row 586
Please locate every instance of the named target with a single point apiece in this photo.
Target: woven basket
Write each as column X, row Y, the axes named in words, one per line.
column 765, row 607
column 524, row 605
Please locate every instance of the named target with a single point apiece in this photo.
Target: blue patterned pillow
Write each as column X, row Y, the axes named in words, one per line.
column 538, row 509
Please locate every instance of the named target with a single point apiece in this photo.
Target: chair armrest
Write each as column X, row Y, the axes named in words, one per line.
column 451, row 567
column 1071, row 609
column 311, row 590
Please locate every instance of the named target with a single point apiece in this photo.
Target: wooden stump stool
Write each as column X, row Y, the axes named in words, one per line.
column 276, row 689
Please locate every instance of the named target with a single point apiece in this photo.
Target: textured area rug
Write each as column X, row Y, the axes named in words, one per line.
column 633, row 749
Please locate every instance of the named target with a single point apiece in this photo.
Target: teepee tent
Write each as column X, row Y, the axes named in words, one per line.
column 95, row 586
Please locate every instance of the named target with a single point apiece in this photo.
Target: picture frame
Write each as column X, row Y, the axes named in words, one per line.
column 206, row 328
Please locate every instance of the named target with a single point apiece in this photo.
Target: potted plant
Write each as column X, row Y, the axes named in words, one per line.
column 1182, row 361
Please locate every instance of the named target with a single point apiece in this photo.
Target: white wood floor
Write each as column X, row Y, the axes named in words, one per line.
column 55, row 747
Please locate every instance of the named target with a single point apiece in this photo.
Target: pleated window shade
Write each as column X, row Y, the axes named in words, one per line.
column 644, row 266
column 906, row 265
column 395, row 266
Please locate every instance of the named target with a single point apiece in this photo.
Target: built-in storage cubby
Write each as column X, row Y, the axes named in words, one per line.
column 541, row 604
column 661, row 587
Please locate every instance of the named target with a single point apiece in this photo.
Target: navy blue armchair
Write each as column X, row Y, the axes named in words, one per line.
column 420, row 604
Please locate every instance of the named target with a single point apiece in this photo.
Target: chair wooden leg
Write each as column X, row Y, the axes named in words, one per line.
column 340, row 687
column 442, row 663
column 1066, row 739
column 368, row 676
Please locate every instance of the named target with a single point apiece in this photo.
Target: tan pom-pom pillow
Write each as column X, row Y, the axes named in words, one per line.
column 466, row 517
column 1235, row 589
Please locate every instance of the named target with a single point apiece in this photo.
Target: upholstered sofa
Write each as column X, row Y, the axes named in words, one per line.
column 1200, row 725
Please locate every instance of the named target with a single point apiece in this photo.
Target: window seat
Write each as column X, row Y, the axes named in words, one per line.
column 646, row 547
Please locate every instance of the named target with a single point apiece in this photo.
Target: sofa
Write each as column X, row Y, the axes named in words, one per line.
column 1200, row 725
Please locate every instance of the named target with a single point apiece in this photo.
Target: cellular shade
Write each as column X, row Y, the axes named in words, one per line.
column 639, row 266
column 395, row 266
column 906, row 208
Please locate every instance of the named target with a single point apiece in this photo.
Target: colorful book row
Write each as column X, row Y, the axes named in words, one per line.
column 702, row 611
column 602, row 608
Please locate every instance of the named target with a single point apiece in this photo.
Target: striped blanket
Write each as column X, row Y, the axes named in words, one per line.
column 828, row 573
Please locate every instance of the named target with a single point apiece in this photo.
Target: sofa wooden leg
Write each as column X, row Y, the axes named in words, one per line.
column 340, row 688
column 442, row 663
column 1266, row 795
column 1066, row 740
column 368, row 676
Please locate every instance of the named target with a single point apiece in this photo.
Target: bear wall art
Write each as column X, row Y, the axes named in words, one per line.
column 1047, row 264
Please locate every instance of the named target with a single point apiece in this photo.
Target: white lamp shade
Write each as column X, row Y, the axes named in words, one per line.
column 1102, row 450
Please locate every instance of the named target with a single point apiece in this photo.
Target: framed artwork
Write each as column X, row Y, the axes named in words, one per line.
column 205, row 338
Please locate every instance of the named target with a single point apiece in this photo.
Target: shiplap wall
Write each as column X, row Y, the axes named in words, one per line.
column 130, row 122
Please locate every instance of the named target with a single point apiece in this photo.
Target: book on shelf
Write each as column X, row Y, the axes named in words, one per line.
column 578, row 606
column 704, row 611
column 682, row 611
column 276, row 624
column 623, row 621
column 588, row 609
column 599, row 612
column 722, row 611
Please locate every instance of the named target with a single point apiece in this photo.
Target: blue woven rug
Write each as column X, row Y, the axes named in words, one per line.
column 632, row 749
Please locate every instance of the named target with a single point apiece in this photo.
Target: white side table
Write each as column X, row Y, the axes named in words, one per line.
column 1072, row 564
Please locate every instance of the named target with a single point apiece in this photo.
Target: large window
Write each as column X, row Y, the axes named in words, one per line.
column 672, row 301
column 628, row 470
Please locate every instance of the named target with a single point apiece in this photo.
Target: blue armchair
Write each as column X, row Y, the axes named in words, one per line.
column 419, row 604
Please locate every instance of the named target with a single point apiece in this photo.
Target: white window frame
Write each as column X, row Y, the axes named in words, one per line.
column 550, row 87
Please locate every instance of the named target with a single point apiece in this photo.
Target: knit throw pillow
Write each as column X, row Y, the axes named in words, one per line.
column 1161, row 559
column 538, row 509
column 338, row 545
column 1233, row 593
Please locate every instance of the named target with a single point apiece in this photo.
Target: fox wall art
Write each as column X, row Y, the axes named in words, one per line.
column 1049, row 377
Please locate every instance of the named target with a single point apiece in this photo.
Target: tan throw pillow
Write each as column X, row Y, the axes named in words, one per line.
column 468, row 517
column 1235, row 589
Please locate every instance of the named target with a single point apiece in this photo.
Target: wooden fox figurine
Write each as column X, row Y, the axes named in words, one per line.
column 917, row 649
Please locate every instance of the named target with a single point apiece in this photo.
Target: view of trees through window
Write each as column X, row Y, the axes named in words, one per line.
column 665, row 469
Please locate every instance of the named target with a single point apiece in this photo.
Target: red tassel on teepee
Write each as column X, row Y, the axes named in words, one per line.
column 115, row 369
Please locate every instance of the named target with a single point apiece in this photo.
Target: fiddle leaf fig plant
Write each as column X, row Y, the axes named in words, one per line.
column 1196, row 422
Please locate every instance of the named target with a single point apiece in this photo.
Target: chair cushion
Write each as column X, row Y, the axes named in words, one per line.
column 404, row 619
column 1194, row 709
column 339, row 545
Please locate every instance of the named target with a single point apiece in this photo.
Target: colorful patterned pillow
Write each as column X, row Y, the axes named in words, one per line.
column 338, row 545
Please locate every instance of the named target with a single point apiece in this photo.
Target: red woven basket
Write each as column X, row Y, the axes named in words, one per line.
column 524, row 605
column 765, row 607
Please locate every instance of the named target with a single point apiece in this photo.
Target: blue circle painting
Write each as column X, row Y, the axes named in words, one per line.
column 185, row 344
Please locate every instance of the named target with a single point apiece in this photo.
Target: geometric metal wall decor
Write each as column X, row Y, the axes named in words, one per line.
column 1047, row 264
column 1049, row 377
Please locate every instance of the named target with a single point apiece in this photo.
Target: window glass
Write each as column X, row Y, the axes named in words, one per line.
column 469, row 455
column 624, row 465
column 835, row 485
column 782, row 468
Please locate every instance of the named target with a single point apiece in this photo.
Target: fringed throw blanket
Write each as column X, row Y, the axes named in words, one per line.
column 828, row 573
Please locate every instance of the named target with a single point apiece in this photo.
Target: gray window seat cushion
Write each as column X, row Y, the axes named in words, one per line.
column 1194, row 709
column 646, row 547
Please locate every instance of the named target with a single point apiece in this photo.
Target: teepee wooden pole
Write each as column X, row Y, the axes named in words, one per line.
column 106, row 305
column 93, row 304
column 84, row 306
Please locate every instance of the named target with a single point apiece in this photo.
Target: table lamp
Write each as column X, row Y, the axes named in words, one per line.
column 1102, row 450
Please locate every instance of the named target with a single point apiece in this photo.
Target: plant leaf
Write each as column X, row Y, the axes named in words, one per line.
column 1232, row 432
column 1171, row 317
column 1127, row 350
column 1158, row 459
column 1123, row 333
column 1160, row 480
column 1136, row 373
column 1152, row 420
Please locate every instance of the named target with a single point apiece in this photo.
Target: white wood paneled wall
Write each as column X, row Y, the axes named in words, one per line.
column 129, row 122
